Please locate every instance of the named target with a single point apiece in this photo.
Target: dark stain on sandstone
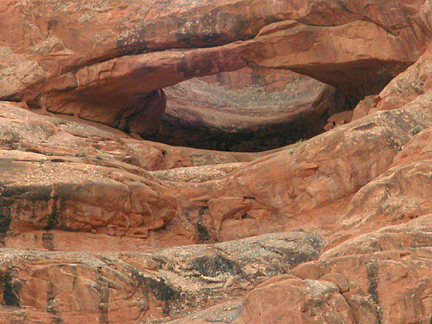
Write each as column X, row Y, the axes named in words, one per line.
column 11, row 289
column 215, row 266
column 373, row 273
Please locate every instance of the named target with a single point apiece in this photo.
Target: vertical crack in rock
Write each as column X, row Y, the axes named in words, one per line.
column 53, row 217
column 203, row 232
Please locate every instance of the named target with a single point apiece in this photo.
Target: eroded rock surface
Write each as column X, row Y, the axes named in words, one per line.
column 128, row 286
column 98, row 225
column 115, row 75
column 57, row 196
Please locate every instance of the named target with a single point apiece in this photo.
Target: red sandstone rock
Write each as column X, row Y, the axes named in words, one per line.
column 93, row 176
column 412, row 234
column 338, row 119
column 274, row 191
column 407, row 86
column 301, row 301
column 67, row 139
column 370, row 279
column 126, row 286
column 110, row 199
column 307, row 159
column 390, row 286
column 68, row 70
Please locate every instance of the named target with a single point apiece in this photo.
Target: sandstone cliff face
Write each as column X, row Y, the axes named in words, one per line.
column 263, row 217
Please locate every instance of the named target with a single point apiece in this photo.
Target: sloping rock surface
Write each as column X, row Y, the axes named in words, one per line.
column 98, row 225
column 133, row 286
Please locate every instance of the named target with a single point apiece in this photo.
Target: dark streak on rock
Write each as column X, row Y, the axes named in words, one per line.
column 372, row 273
column 11, row 290
column 104, row 292
column 161, row 289
column 365, row 127
column 203, row 233
column 158, row 287
column 48, row 241
column 215, row 266
column 5, row 220
column 50, row 298
column 53, row 218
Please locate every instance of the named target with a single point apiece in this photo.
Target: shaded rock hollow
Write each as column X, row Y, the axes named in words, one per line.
column 253, row 109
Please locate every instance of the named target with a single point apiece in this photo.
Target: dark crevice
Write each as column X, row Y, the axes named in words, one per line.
column 50, row 299
column 203, row 232
column 5, row 220
column 196, row 131
column 11, row 289
column 53, row 219
column 178, row 133
column 48, row 241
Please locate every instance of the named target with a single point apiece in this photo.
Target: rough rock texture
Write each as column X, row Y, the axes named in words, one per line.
column 63, row 68
column 382, row 287
column 408, row 86
column 267, row 193
column 57, row 174
column 98, row 225
column 133, row 287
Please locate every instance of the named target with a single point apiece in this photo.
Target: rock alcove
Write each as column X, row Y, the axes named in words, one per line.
column 252, row 109
column 247, row 110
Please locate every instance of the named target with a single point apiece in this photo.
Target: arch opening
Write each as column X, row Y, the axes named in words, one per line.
column 249, row 110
